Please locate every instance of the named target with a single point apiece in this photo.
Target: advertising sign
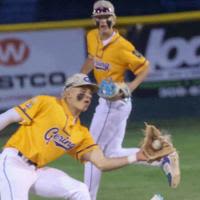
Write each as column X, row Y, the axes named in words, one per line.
column 174, row 54
column 37, row 62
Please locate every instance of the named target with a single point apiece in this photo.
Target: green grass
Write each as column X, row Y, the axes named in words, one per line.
column 141, row 182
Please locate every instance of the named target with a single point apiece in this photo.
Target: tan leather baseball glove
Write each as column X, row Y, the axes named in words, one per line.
column 155, row 144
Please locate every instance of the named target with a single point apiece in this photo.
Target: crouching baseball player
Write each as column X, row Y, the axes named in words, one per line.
column 50, row 128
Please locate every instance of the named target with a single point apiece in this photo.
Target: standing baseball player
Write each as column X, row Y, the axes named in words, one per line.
column 49, row 128
column 110, row 56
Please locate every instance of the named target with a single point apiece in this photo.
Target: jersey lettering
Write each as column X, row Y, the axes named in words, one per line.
column 101, row 65
column 60, row 141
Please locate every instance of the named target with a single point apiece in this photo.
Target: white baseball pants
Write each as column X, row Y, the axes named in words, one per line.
column 17, row 178
column 108, row 129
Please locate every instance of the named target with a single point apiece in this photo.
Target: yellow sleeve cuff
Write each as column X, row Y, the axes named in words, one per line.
column 26, row 118
column 80, row 153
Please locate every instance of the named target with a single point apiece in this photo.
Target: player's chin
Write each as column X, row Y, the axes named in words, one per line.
column 84, row 108
column 104, row 29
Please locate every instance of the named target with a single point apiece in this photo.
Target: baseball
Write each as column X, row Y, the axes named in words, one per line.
column 156, row 144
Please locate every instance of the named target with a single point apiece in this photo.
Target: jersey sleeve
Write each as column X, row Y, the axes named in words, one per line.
column 91, row 41
column 29, row 109
column 133, row 59
column 87, row 145
column 88, row 44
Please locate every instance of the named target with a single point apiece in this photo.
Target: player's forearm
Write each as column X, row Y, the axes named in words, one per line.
column 115, row 163
column 139, row 78
column 112, row 163
column 103, row 163
column 87, row 66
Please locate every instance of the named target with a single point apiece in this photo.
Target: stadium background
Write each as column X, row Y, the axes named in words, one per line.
column 165, row 31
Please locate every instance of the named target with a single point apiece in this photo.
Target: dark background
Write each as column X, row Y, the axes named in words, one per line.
column 18, row 11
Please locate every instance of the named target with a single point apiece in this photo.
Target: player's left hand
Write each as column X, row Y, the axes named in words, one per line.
column 113, row 91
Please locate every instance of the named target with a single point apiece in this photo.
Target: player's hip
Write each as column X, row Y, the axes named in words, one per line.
column 122, row 103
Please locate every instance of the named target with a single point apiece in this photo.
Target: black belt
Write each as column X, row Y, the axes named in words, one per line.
column 30, row 162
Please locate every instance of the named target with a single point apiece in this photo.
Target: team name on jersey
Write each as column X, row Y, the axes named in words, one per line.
column 59, row 140
column 101, row 65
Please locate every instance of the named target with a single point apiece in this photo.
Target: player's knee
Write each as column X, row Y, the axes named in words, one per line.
column 80, row 193
column 83, row 188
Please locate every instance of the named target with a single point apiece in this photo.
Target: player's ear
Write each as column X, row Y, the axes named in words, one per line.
column 114, row 19
column 67, row 94
column 95, row 22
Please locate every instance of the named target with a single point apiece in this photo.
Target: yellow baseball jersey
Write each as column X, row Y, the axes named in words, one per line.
column 115, row 58
column 49, row 130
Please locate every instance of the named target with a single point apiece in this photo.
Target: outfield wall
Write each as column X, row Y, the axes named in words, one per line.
column 35, row 58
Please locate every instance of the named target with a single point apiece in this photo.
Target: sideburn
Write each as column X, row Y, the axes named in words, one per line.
column 109, row 23
column 97, row 24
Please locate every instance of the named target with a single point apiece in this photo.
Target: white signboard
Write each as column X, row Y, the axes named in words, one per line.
column 185, row 62
column 37, row 62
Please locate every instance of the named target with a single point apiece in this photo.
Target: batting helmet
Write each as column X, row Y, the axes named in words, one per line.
column 103, row 7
